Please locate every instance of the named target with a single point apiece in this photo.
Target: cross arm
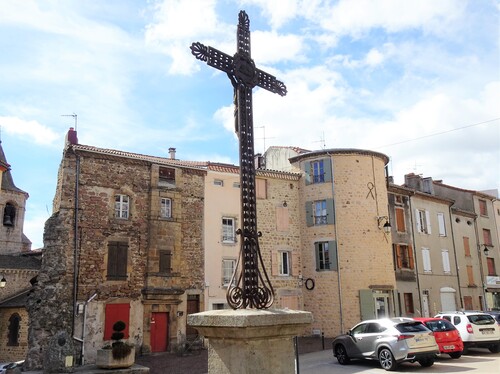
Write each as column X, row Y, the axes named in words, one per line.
column 213, row 57
column 270, row 83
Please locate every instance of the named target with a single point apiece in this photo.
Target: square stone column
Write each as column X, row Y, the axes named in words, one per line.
column 250, row 341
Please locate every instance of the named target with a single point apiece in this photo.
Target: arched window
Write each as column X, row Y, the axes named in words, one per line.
column 14, row 322
column 9, row 215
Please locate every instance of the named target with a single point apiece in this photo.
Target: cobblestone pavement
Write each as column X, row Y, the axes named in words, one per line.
column 197, row 362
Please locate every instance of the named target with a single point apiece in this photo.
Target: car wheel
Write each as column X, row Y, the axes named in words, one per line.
column 426, row 362
column 494, row 348
column 455, row 354
column 341, row 354
column 386, row 359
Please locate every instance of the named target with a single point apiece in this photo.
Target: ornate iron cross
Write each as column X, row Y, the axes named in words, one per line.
column 251, row 288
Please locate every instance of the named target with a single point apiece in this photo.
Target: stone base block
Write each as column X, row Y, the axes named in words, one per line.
column 250, row 341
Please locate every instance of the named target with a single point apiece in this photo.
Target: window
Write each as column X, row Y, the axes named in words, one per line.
column 400, row 220
column 441, row 224
column 261, row 188
column 423, row 221
column 404, row 256
column 446, row 261
column 398, row 199
column 9, row 215
column 218, row 182
column 121, row 206
column 426, row 257
column 470, row 276
column 409, row 303
column 483, row 209
column 487, row 237
column 228, row 266
column 326, row 255
column 318, row 171
column 282, row 219
column 165, row 207
column 166, row 177
column 320, row 212
column 14, row 326
column 284, row 263
column 491, row 266
column 117, row 260
column 165, row 263
column 466, row 246
column 236, row 184
column 468, row 303
column 115, row 313
column 228, row 231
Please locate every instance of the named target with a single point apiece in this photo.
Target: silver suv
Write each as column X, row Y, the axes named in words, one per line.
column 477, row 329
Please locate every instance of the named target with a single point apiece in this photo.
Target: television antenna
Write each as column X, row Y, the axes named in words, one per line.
column 322, row 140
column 75, row 117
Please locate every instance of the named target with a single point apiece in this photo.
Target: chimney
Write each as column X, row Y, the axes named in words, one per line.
column 71, row 136
column 172, row 153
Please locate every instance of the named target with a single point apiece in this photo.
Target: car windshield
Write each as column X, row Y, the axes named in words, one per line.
column 481, row 319
column 439, row 325
column 411, row 327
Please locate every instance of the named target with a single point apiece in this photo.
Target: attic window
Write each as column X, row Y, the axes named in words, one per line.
column 9, row 215
column 167, row 177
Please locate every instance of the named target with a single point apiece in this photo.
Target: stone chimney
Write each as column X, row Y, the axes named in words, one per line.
column 71, row 137
column 172, row 153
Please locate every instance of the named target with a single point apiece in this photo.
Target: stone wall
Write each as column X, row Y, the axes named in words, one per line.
column 13, row 352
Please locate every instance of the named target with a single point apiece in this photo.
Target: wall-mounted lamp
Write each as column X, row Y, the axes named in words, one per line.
column 486, row 250
column 386, row 226
column 3, row 282
column 180, row 313
column 285, row 204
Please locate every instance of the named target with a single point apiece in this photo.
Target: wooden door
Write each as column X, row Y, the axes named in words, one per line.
column 159, row 332
column 193, row 306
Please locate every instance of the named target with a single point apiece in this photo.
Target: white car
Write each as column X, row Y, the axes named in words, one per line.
column 10, row 365
column 477, row 329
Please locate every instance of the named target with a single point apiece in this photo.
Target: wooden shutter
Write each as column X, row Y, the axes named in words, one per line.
column 466, row 246
column 307, row 172
column 417, row 220
column 428, row 221
column 410, row 256
column 327, row 168
column 309, row 214
column 275, row 261
column 366, row 304
column 316, row 254
column 332, row 249
column 282, row 219
column 117, row 260
column 330, row 212
column 400, row 220
column 399, row 258
column 295, row 268
column 165, row 265
column 115, row 313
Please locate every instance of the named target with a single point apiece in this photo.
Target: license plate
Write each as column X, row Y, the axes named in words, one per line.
column 487, row 331
column 449, row 347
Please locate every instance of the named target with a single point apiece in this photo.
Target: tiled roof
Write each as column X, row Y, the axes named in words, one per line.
column 16, row 301
column 227, row 168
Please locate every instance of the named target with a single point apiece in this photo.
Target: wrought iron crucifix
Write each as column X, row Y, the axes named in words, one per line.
column 251, row 288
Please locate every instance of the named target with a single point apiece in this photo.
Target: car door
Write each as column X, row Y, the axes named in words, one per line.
column 355, row 341
column 368, row 340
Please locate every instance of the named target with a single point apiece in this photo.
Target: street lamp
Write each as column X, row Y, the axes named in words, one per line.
column 486, row 251
column 386, row 226
column 3, row 281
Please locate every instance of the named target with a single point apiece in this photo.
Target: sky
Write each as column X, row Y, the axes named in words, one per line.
column 416, row 80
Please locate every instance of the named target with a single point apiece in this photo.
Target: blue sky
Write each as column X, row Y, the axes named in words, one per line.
column 416, row 80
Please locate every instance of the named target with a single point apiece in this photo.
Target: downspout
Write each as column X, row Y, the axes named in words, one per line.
column 481, row 269
column 456, row 260
column 75, row 242
column 339, row 280
column 415, row 257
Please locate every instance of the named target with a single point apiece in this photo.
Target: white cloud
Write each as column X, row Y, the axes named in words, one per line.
column 33, row 130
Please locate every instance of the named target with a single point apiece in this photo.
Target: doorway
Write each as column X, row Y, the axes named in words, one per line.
column 159, row 332
column 381, row 305
column 193, row 306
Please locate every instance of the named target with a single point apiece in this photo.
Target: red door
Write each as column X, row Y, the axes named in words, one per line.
column 159, row 332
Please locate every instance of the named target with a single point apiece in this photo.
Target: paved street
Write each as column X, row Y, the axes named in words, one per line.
column 479, row 361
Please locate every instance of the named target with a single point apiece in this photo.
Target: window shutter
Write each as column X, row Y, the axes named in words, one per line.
column 309, row 214
column 400, row 220
column 417, row 220
column 307, row 171
column 332, row 248
column 121, row 263
column 330, row 212
column 316, row 253
column 327, row 167
column 275, row 260
column 399, row 258
column 366, row 304
column 410, row 256
column 428, row 221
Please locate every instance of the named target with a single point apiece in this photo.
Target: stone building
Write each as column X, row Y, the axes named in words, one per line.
column 18, row 266
column 125, row 242
column 278, row 220
column 346, row 254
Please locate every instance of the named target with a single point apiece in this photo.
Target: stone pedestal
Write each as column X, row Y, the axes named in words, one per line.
column 248, row 341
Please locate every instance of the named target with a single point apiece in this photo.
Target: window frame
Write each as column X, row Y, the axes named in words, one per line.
column 445, row 256
column 320, row 212
column 441, row 224
column 426, row 260
column 487, row 237
column 325, row 252
column 117, row 261
column 228, row 237
column 483, row 208
column 423, row 221
column 409, row 305
column 122, row 207
column 165, row 211
column 165, row 261
column 225, row 270
column 285, row 263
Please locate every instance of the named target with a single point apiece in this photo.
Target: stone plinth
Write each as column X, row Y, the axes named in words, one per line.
column 248, row 341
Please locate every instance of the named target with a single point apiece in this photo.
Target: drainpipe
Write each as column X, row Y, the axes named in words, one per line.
column 481, row 269
column 456, row 260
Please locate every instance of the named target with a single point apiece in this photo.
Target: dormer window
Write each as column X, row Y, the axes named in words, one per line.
column 9, row 215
